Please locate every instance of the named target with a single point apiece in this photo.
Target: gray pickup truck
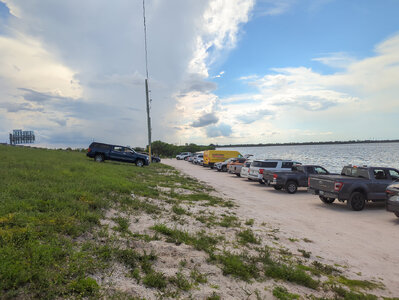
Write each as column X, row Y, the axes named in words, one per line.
column 291, row 180
column 356, row 185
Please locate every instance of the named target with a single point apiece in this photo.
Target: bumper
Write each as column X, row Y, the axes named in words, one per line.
column 323, row 193
column 255, row 177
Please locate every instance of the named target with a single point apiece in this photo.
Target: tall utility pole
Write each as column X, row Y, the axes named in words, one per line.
column 146, row 85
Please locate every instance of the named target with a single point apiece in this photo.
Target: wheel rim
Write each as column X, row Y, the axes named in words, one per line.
column 140, row 163
column 357, row 202
column 98, row 158
column 291, row 187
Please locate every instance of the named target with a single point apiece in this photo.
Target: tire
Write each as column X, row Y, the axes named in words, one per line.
column 357, row 201
column 261, row 182
column 238, row 174
column 277, row 187
column 291, row 187
column 139, row 163
column 224, row 169
column 327, row 200
column 99, row 158
column 396, row 213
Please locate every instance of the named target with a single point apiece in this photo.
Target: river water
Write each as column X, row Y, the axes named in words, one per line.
column 332, row 157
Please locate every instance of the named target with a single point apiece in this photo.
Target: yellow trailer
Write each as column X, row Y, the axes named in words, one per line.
column 213, row 156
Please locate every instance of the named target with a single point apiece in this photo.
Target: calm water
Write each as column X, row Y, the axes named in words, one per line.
column 332, row 157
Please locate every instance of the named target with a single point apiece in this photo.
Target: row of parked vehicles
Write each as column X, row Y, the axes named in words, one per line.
column 356, row 185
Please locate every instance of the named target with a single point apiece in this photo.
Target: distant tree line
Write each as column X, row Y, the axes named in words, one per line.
column 163, row 149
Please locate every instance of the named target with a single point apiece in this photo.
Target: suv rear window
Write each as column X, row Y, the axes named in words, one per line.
column 287, row 164
column 264, row 164
column 101, row 146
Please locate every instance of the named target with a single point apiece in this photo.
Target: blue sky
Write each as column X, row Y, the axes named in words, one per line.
column 303, row 32
column 221, row 71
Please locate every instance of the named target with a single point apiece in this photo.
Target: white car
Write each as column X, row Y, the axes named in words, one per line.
column 197, row 157
column 257, row 167
column 245, row 169
column 183, row 155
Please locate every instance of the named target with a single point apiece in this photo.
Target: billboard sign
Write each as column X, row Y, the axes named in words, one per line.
column 22, row 137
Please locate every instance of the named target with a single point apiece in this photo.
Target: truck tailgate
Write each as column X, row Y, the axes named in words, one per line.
column 323, row 183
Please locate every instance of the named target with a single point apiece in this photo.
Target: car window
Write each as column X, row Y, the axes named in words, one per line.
column 394, row 174
column 310, row 170
column 320, row 170
column 128, row 150
column 287, row 164
column 118, row 148
column 380, row 174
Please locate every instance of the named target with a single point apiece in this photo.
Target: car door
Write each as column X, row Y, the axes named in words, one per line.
column 117, row 153
column 130, row 155
column 381, row 180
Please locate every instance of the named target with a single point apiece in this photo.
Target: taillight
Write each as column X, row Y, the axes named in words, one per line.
column 88, row 150
column 389, row 192
column 274, row 176
column 338, row 186
column 260, row 171
column 308, row 181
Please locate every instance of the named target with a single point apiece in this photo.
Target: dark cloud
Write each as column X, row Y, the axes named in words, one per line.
column 16, row 107
column 219, row 130
column 205, row 120
column 197, row 83
column 254, row 116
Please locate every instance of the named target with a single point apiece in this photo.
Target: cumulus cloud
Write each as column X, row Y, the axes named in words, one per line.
column 255, row 115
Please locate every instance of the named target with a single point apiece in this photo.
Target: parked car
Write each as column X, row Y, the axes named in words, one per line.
column 392, row 192
column 291, row 180
column 222, row 166
column 197, row 157
column 101, row 152
column 234, row 167
column 245, row 169
column 258, row 166
column 183, row 155
column 356, row 185
column 213, row 156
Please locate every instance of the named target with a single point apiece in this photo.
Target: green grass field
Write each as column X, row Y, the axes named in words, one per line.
column 50, row 198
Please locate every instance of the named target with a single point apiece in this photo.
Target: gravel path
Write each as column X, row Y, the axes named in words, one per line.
column 366, row 241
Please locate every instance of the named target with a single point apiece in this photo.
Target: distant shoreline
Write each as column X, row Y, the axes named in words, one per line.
column 308, row 143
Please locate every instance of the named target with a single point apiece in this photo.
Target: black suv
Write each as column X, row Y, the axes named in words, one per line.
column 101, row 152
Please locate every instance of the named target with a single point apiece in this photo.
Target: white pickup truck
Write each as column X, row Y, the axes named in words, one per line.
column 258, row 166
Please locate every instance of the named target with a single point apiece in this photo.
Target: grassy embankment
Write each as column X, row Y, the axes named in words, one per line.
column 54, row 242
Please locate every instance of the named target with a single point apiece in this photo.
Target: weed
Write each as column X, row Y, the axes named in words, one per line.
column 84, row 287
column 249, row 222
column 363, row 284
column 181, row 282
column 179, row 210
column 155, row 280
column 123, row 224
column 214, row 296
column 293, row 240
column 306, row 240
column 350, row 295
column 305, row 253
column 238, row 266
column 282, row 293
column 247, row 236
column 229, row 221
column 198, row 277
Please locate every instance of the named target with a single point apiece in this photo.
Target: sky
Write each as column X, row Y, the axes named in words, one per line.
column 220, row 71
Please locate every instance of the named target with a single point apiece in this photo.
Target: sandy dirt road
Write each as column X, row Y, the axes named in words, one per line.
column 366, row 241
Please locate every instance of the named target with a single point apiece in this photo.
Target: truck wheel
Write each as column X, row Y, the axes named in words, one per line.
column 261, row 181
column 238, row 174
column 357, row 201
column 396, row 214
column 224, row 169
column 291, row 187
column 99, row 158
column 327, row 200
column 139, row 163
column 277, row 187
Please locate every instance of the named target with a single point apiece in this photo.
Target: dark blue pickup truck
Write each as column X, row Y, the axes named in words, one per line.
column 101, row 152
column 356, row 185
